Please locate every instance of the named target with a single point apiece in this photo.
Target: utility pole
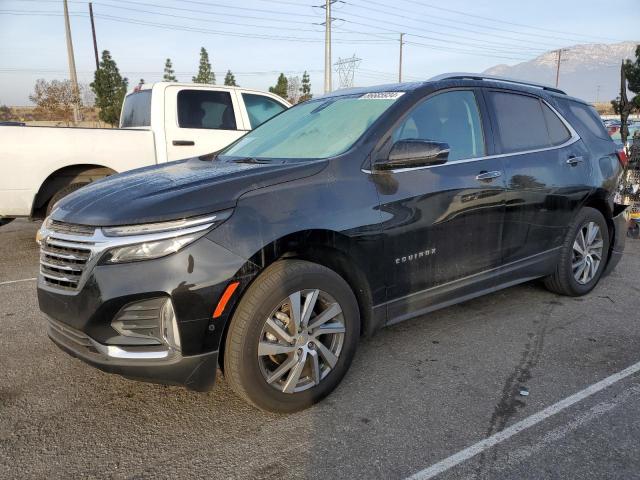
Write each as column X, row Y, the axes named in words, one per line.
column 598, row 93
column 558, row 60
column 327, row 46
column 400, row 63
column 93, row 31
column 72, row 64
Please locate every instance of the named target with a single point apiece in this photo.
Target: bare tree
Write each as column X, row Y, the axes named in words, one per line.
column 87, row 97
column 55, row 100
column 293, row 89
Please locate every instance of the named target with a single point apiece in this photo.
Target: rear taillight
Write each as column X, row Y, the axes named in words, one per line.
column 622, row 157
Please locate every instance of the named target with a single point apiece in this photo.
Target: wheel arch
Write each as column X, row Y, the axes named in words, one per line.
column 324, row 247
column 598, row 202
column 63, row 177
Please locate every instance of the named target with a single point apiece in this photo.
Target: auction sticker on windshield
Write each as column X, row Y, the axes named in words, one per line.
column 381, row 96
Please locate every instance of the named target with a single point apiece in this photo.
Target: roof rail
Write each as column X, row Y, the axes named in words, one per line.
column 481, row 76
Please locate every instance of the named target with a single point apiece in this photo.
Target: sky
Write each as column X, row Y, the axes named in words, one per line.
column 257, row 39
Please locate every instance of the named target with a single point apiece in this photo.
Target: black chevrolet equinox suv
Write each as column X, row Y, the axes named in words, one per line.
column 346, row 213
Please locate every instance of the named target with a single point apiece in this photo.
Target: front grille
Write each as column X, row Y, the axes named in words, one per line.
column 62, row 261
column 70, row 228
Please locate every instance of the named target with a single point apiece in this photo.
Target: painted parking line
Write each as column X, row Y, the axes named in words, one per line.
column 10, row 282
column 481, row 446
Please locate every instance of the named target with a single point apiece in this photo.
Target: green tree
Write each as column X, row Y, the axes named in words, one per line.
column 230, row 79
column 205, row 74
column 110, row 88
column 281, row 86
column 305, row 89
column 169, row 74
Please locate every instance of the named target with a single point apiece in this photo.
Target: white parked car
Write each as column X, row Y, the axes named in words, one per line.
column 159, row 123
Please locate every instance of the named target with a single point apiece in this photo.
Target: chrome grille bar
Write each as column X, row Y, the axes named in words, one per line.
column 63, row 259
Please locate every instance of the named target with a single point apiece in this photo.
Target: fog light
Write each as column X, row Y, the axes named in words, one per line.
column 147, row 322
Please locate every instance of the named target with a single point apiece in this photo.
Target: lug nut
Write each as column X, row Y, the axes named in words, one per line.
column 312, row 345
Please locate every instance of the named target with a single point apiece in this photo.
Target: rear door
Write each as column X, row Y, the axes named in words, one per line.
column 443, row 223
column 200, row 120
column 546, row 174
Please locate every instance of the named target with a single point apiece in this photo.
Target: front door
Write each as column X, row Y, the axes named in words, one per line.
column 442, row 224
column 200, row 120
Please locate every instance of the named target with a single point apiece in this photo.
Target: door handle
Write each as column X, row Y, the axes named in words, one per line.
column 488, row 175
column 573, row 161
column 183, row 143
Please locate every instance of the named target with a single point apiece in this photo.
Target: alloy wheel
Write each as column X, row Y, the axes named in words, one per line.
column 301, row 341
column 587, row 253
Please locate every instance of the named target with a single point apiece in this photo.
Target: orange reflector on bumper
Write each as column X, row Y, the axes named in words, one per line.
column 226, row 296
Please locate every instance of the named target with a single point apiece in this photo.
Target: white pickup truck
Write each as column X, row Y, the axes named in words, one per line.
column 159, row 123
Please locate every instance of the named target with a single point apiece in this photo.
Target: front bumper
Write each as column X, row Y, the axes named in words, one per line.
column 196, row 372
column 193, row 279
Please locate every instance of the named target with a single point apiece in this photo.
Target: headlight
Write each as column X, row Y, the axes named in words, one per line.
column 154, row 240
column 148, row 250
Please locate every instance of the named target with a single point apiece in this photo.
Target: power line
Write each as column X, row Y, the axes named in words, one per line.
column 201, row 12
column 186, row 28
column 430, row 22
column 427, row 37
column 458, row 12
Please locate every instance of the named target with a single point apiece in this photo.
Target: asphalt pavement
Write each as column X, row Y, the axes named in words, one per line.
column 417, row 395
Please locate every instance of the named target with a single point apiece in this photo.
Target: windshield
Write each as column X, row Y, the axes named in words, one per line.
column 314, row 129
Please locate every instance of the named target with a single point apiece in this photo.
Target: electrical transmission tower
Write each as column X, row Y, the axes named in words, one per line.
column 346, row 68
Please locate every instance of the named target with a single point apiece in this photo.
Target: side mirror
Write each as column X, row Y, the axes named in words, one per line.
column 413, row 154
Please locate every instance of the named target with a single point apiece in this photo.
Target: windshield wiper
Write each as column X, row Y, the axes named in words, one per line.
column 253, row 160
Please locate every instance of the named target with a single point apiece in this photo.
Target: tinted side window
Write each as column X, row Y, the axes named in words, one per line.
column 558, row 133
column 589, row 118
column 520, row 122
column 137, row 110
column 450, row 117
column 260, row 108
column 205, row 109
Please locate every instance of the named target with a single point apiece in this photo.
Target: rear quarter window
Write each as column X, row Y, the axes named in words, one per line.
column 136, row 111
column 587, row 118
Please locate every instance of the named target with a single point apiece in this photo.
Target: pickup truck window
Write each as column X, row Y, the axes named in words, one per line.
column 260, row 108
column 136, row 111
column 205, row 109
column 314, row 129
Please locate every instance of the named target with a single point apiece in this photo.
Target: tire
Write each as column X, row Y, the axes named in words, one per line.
column 563, row 280
column 60, row 194
column 268, row 298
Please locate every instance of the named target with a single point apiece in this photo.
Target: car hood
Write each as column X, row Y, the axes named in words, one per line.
column 175, row 190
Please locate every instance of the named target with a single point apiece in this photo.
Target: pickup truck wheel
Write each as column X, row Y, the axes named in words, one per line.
column 583, row 256
column 292, row 337
column 60, row 194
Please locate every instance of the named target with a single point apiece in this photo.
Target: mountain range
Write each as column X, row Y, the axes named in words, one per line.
column 590, row 72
